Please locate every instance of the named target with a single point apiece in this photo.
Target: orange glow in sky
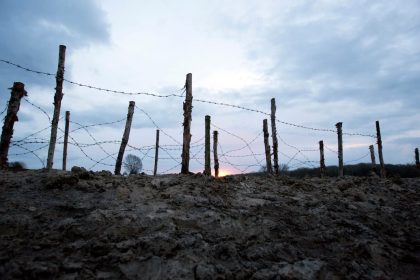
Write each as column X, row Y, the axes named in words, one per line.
column 224, row 172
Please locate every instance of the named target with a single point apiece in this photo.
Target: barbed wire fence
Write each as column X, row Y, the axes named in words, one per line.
column 235, row 158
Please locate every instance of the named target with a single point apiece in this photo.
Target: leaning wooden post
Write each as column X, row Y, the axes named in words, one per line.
column 18, row 91
column 381, row 157
column 267, row 147
column 187, row 125
column 274, row 136
column 215, row 155
column 339, row 126
column 156, row 152
column 66, row 139
column 126, row 135
column 207, row 166
column 57, row 104
column 322, row 159
column 372, row 157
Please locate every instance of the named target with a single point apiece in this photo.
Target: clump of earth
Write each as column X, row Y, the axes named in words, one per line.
column 94, row 225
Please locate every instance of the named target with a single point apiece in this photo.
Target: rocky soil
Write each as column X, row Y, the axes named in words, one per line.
column 84, row 225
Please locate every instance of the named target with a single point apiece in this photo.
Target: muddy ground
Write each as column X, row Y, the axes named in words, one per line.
column 83, row 225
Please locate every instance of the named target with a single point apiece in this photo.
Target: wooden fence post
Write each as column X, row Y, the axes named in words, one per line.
column 322, row 159
column 207, row 164
column 274, row 136
column 18, row 91
column 416, row 155
column 267, row 147
column 339, row 126
column 156, row 152
column 57, row 104
column 372, row 157
column 381, row 157
column 124, row 141
column 66, row 139
column 187, row 125
column 215, row 155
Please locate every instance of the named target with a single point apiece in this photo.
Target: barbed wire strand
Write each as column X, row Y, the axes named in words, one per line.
column 29, row 152
column 181, row 95
column 245, row 146
column 83, row 151
column 294, row 147
column 155, row 124
column 5, row 108
column 238, row 137
column 357, row 159
column 331, row 150
column 38, row 107
column 93, row 138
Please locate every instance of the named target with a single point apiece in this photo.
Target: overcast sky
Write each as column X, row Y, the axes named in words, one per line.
column 323, row 61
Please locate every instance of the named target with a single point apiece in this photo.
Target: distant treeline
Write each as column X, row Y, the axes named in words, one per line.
column 361, row 169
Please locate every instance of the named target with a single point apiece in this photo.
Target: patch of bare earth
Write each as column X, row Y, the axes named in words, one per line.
column 83, row 225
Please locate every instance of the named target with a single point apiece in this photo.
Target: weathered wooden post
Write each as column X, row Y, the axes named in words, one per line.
column 372, row 157
column 156, row 152
column 339, row 126
column 66, row 139
column 207, row 166
column 187, row 125
column 381, row 157
column 57, row 104
column 416, row 155
column 215, row 155
column 126, row 135
column 267, row 147
column 322, row 159
column 274, row 136
column 18, row 91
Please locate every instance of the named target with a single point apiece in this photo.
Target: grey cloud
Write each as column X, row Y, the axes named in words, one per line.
column 31, row 32
column 370, row 49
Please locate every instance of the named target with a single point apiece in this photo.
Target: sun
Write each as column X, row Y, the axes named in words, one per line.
column 224, row 172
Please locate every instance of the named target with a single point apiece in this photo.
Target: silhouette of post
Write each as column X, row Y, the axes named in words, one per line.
column 187, row 125
column 372, row 157
column 274, row 136
column 416, row 155
column 321, row 160
column 381, row 157
column 57, row 104
column 339, row 126
column 66, row 139
column 126, row 135
column 267, row 147
column 18, row 91
column 156, row 152
column 215, row 155
column 207, row 164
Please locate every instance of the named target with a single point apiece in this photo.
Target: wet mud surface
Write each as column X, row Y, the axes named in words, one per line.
column 83, row 225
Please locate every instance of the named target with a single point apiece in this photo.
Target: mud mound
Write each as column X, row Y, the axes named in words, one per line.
column 84, row 225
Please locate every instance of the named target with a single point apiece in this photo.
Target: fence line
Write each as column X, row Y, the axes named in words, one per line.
column 181, row 95
column 357, row 159
column 144, row 150
column 38, row 107
column 160, row 129
column 238, row 137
